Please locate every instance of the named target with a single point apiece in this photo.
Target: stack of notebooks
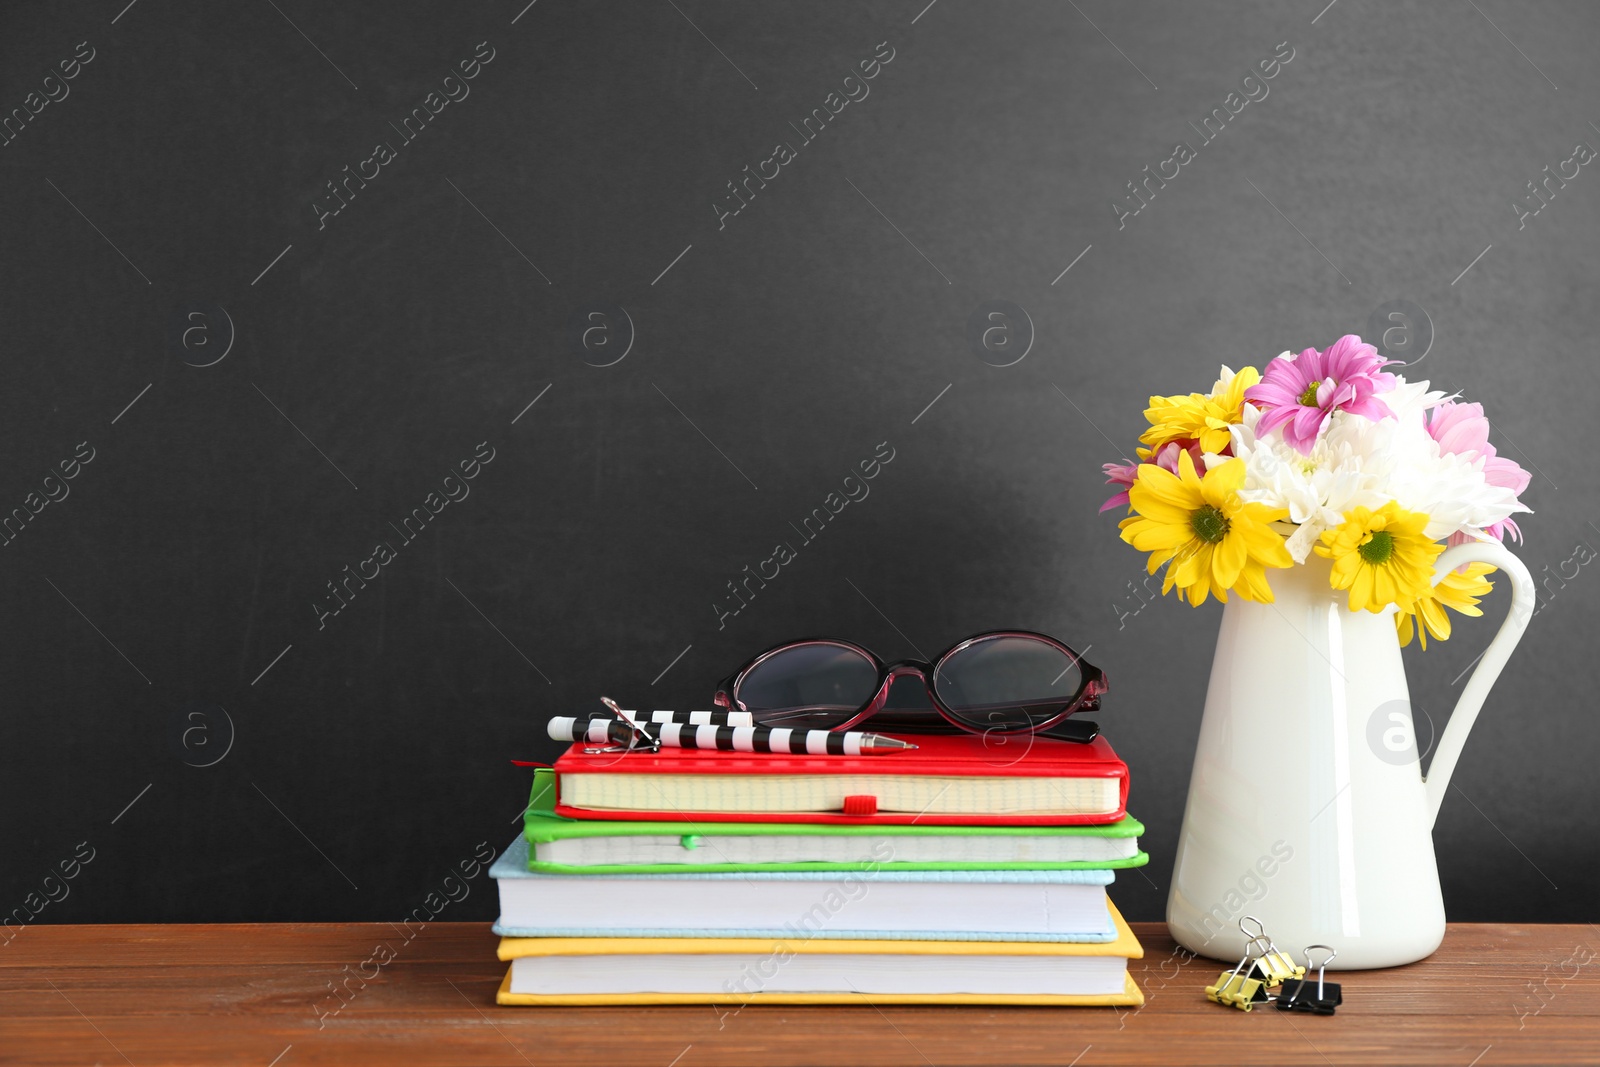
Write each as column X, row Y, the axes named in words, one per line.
column 958, row 873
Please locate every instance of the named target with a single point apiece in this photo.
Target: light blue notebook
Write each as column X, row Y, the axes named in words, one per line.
column 865, row 904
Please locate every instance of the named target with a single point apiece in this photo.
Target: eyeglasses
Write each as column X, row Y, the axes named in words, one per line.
column 1001, row 682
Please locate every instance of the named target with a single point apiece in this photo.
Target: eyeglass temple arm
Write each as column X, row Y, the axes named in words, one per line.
column 1081, row 731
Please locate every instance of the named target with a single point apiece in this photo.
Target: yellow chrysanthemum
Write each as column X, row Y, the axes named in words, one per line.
column 1460, row 590
column 1382, row 557
column 1198, row 417
column 1210, row 540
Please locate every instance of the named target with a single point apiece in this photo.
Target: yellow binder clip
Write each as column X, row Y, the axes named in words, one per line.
column 1239, row 987
column 1274, row 965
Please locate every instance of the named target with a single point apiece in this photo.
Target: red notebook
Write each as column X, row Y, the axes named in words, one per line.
column 950, row 779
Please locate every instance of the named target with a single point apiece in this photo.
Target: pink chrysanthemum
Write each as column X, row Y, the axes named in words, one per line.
column 1300, row 393
column 1166, row 457
column 1123, row 474
column 1463, row 429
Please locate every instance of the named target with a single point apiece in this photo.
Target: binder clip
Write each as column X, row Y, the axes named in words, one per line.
column 1239, row 987
column 1300, row 995
column 1274, row 965
column 639, row 739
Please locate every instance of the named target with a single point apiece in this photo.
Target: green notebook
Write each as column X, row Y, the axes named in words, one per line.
column 602, row 846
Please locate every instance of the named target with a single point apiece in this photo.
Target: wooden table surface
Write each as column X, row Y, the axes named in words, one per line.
column 262, row 995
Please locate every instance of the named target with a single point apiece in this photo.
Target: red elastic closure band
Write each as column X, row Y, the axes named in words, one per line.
column 864, row 804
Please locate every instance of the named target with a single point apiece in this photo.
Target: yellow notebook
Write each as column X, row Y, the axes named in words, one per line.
column 1125, row 947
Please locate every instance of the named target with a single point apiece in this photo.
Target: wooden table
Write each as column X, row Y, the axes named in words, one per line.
column 262, row 995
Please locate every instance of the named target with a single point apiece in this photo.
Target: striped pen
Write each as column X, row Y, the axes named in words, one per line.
column 780, row 740
column 700, row 718
column 596, row 731
column 720, row 717
column 596, row 727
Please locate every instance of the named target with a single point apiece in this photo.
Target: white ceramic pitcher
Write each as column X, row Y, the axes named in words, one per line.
column 1307, row 806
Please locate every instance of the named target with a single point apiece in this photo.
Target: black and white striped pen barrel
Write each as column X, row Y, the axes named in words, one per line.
column 779, row 740
column 590, row 731
column 698, row 718
column 595, row 729
column 762, row 739
column 708, row 736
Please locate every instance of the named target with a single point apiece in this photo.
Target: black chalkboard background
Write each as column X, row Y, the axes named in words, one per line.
column 256, row 388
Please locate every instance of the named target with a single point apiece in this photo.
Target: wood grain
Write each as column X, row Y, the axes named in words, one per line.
column 245, row 994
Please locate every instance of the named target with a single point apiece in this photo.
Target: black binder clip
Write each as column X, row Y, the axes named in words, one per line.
column 1299, row 994
column 639, row 739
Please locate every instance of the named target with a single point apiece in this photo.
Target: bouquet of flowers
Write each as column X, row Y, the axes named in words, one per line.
column 1326, row 452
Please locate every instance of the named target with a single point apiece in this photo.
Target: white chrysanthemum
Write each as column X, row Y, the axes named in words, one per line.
column 1358, row 462
column 1317, row 489
column 1410, row 469
column 1409, row 400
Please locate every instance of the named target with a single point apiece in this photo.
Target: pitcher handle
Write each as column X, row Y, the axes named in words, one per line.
column 1489, row 666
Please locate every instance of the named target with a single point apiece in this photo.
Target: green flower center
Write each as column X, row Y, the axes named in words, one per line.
column 1378, row 548
column 1309, row 397
column 1208, row 524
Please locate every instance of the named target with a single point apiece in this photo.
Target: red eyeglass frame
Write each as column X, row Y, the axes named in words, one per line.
column 1091, row 685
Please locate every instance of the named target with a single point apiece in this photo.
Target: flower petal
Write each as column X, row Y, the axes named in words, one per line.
column 1229, row 559
column 1361, row 589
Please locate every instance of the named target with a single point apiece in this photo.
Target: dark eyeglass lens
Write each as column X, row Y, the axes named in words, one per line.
column 1007, row 683
column 811, row 686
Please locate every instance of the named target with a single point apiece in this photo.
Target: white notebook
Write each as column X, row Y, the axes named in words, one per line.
column 980, row 905
column 820, row 848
